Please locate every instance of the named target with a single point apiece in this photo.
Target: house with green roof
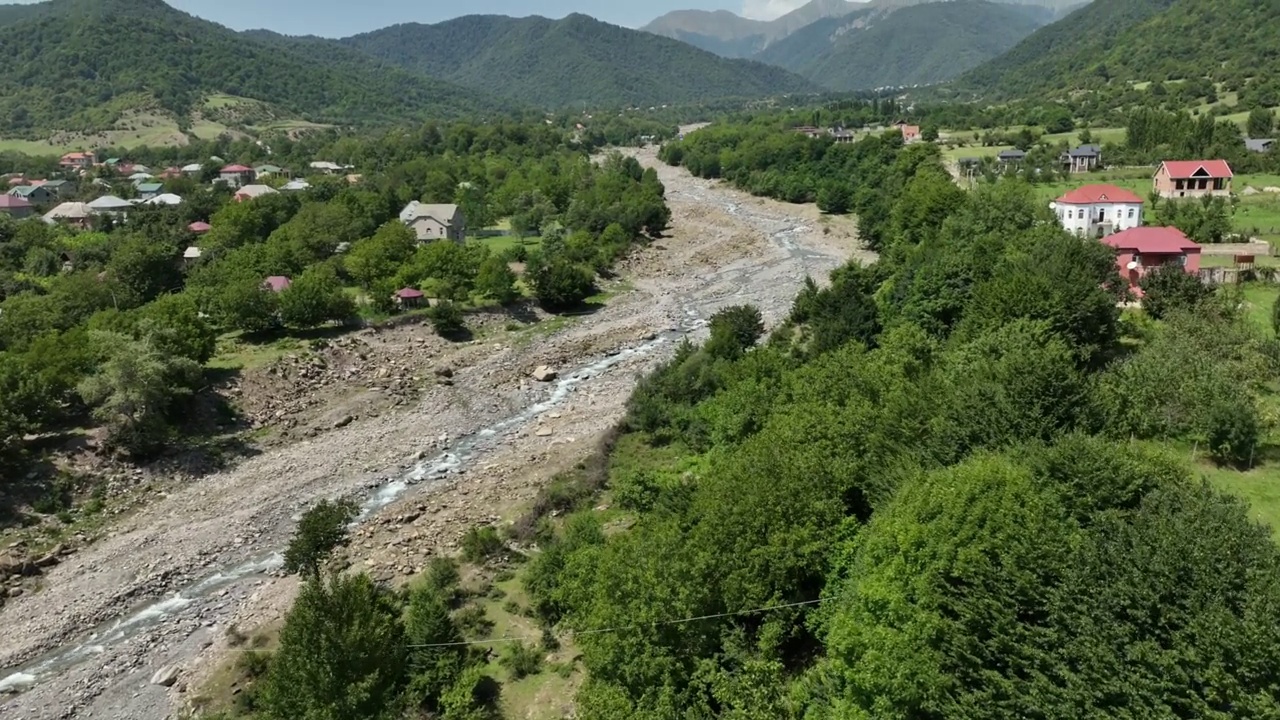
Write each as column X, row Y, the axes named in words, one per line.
column 146, row 191
column 34, row 194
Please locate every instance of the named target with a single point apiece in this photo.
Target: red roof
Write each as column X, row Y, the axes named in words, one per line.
column 199, row 227
column 1189, row 168
column 1152, row 240
column 1093, row 194
column 76, row 156
column 277, row 283
column 236, row 169
column 11, row 202
column 409, row 294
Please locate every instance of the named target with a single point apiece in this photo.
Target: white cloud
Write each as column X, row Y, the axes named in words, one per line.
column 769, row 9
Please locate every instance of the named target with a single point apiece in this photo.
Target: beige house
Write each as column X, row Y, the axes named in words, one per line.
column 435, row 222
column 1192, row 178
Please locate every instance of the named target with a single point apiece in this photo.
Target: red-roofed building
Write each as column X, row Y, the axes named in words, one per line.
column 199, row 227
column 910, row 133
column 1098, row 210
column 1143, row 249
column 15, row 207
column 236, row 175
column 1192, row 178
column 409, row 297
column 76, row 160
column 277, row 283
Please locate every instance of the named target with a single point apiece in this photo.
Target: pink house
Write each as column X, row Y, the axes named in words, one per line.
column 276, row 283
column 910, row 133
column 1142, row 249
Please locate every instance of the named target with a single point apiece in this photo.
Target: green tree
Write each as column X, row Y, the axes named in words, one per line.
column 244, row 304
column 1170, row 288
column 1261, row 122
column 734, row 330
column 446, row 318
column 314, row 298
column 380, row 257
column 322, row 528
column 145, row 268
column 437, row 657
column 496, row 280
column 342, row 654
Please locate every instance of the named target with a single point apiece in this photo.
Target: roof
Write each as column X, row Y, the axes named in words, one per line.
column 409, row 293
column 1258, row 144
column 191, row 253
column 253, row 191
column 236, row 169
column 109, row 202
column 141, row 176
column 1012, row 153
column 193, row 167
column 1153, row 240
column 77, row 156
column 276, row 283
column 165, row 199
column 441, row 212
column 53, row 183
column 13, row 202
column 25, row 190
column 267, row 169
column 69, row 210
column 1085, row 151
column 1094, row 194
column 910, row 129
column 1190, row 168
column 199, row 227
column 150, row 187
column 296, row 185
column 325, row 165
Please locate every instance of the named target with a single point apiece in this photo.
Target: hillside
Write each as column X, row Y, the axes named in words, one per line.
column 554, row 63
column 1111, row 39
column 727, row 34
column 914, row 45
column 85, row 64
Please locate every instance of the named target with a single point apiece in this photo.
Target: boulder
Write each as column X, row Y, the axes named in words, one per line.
column 345, row 421
column 166, row 676
column 444, row 371
column 544, row 374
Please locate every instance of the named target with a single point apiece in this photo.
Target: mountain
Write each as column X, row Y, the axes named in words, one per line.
column 1116, row 42
column 730, row 35
column 913, row 45
column 554, row 63
column 85, row 64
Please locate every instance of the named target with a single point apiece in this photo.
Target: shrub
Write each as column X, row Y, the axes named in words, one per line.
column 481, row 543
column 447, row 319
column 520, row 660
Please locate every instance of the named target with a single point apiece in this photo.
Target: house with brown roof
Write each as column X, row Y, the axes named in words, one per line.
column 1098, row 210
column 76, row 160
column 236, row 175
column 76, row 214
column 435, row 222
column 1192, row 178
column 910, row 133
column 15, row 207
column 249, row 192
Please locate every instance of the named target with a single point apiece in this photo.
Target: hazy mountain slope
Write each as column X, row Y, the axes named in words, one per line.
column 78, row 64
column 918, row 44
column 553, row 63
column 731, row 35
column 1069, row 51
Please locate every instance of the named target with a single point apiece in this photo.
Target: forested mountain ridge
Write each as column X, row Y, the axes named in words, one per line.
column 1125, row 41
column 917, row 44
column 554, row 63
column 78, row 64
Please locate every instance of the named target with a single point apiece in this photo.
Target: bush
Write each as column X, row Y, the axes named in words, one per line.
column 471, row 621
column 443, row 576
column 1233, row 433
column 447, row 319
column 734, row 330
column 1169, row 289
column 480, row 544
column 520, row 660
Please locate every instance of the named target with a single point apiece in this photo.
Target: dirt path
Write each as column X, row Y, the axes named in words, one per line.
column 724, row 248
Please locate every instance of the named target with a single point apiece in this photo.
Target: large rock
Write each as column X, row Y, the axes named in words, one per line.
column 166, row 676
column 544, row 374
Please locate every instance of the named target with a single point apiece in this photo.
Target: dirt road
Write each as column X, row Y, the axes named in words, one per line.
column 161, row 590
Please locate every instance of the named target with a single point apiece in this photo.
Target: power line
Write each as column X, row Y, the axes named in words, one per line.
column 600, row 631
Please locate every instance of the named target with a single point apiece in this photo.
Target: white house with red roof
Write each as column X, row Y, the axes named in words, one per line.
column 1192, row 178
column 236, row 175
column 1098, row 210
column 76, row 160
column 1143, row 249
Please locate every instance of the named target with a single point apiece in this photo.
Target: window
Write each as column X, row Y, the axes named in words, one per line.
column 1080, row 214
column 1130, row 213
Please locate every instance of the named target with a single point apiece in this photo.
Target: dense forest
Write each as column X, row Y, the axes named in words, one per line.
column 80, row 63
column 915, row 45
column 106, row 327
column 941, row 488
column 574, row 61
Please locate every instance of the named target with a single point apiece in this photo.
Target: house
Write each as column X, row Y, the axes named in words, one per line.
column 1143, row 249
column 842, row 136
column 148, row 190
column 236, row 175
column 1082, row 159
column 190, row 255
column 1259, row 145
column 110, row 205
column 192, row 169
column 294, row 185
column 1098, row 210
column 262, row 170
column 15, row 207
column 327, row 167
column 1192, row 178
column 249, row 192
column 910, row 133
column 140, row 177
column 276, row 283
column 59, row 188
column 171, row 172
column 76, row 160
column 34, row 194
column 163, row 199
column 434, row 222
column 199, row 227
column 408, row 297
column 1011, row 157
column 76, row 214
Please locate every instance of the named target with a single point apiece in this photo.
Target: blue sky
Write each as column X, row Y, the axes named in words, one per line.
column 336, row 18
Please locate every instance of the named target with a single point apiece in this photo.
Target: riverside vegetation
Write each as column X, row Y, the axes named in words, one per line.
column 944, row 487
column 106, row 327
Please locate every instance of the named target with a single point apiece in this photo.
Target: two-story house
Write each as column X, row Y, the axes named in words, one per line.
column 236, row 175
column 435, row 222
column 1098, row 210
column 1141, row 250
column 76, row 161
column 1192, row 178
column 34, row 194
column 1082, row 159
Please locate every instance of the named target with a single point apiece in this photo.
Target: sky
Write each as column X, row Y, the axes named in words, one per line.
column 338, row 18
